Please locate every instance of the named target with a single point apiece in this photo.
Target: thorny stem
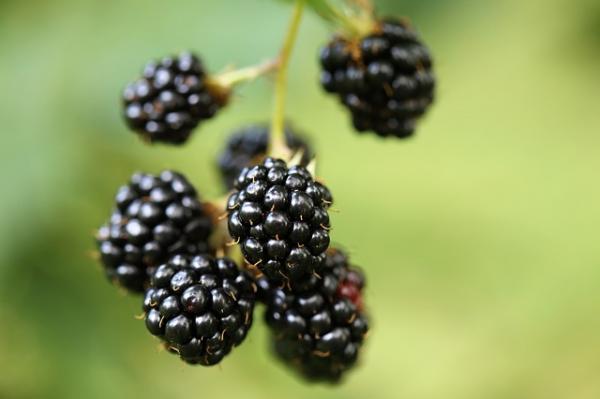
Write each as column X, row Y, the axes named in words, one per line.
column 277, row 144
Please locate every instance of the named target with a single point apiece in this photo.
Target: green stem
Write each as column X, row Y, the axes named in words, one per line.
column 355, row 17
column 231, row 78
column 277, row 144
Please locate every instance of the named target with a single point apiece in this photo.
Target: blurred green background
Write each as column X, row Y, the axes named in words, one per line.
column 479, row 236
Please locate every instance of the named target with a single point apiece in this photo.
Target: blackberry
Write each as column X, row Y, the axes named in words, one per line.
column 155, row 217
column 200, row 307
column 248, row 146
column 171, row 98
column 263, row 289
column 320, row 329
column 279, row 217
column 385, row 79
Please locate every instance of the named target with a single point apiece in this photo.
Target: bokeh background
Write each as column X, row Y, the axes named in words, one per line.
column 479, row 236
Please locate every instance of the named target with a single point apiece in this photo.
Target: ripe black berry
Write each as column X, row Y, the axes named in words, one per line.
column 319, row 328
column 155, row 217
column 171, row 98
column 248, row 146
column 385, row 79
column 279, row 217
column 200, row 307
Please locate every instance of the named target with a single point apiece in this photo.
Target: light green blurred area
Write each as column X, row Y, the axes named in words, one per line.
column 479, row 236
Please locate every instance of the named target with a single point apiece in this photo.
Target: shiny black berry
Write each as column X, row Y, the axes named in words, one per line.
column 200, row 307
column 279, row 217
column 248, row 146
column 384, row 79
column 319, row 330
column 171, row 98
column 154, row 218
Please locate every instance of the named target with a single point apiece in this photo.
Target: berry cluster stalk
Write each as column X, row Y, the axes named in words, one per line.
column 247, row 74
column 354, row 17
column 277, row 144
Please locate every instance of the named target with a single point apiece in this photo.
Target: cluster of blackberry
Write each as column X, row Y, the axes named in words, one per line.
column 384, row 79
column 162, row 241
column 158, row 241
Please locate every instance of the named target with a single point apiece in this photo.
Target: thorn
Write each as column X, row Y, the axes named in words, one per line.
column 174, row 349
column 328, row 228
column 160, row 322
column 222, row 338
column 140, row 316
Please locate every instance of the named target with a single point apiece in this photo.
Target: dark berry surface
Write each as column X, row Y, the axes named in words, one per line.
column 248, row 146
column 280, row 218
column 200, row 307
column 384, row 79
column 170, row 99
column 155, row 217
column 319, row 330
